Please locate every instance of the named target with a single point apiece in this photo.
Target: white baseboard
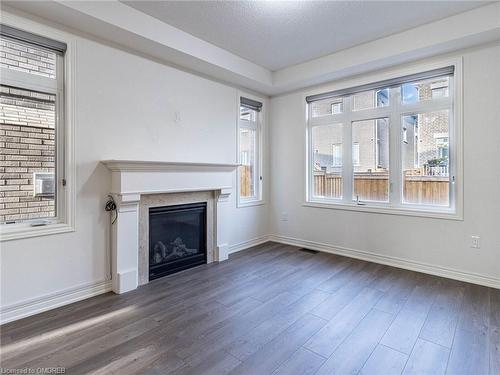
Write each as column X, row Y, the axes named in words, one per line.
column 221, row 253
column 392, row 261
column 52, row 300
column 126, row 281
column 247, row 244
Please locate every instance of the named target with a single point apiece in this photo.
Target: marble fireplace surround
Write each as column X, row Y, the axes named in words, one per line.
column 137, row 185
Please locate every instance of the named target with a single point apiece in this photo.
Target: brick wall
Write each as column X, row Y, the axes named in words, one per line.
column 29, row 59
column 27, row 145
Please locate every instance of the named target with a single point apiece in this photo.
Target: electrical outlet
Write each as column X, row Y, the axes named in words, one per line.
column 475, row 242
column 284, row 216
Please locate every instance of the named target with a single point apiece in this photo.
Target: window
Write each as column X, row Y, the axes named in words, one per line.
column 370, row 99
column 249, row 140
column 327, row 107
column 382, row 98
column 327, row 172
column 405, row 134
column 355, row 154
column 336, row 108
column 400, row 145
column 439, row 89
column 32, row 149
column 337, row 155
column 371, row 166
column 427, row 89
column 426, row 177
column 442, row 146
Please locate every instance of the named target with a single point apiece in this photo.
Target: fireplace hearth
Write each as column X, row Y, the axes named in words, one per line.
column 177, row 238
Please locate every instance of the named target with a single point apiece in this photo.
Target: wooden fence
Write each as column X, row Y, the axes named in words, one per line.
column 432, row 190
column 375, row 187
column 246, row 181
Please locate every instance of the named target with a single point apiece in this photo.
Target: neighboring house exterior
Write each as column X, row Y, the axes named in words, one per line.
column 327, row 148
column 424, row 136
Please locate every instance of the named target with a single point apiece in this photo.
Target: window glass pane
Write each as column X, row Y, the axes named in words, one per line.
column 327, row 159
column 27, row 155
column 355, row 154
column 382, row 98
column 247, row 159
column 371, row 159
column 371, row 99
column 424, row 90
column 247, row 114
column 327, row 107
column 425, row 158
column 27, row 58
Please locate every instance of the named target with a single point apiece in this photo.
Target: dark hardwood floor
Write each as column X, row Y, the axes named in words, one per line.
column 272, row 309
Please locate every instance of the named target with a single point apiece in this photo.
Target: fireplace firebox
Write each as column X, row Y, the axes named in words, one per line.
column 177, row 238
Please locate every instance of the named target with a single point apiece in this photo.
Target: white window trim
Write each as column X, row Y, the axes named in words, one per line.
column 456, row 153
column 66, row 197
column 258, row 125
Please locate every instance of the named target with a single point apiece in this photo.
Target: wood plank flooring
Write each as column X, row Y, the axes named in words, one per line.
column 272, row 309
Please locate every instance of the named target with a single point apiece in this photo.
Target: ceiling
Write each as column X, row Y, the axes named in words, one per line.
column 279, row 34
column 273, row 47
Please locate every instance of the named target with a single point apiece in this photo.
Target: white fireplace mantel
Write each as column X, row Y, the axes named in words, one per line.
column 132, row 178
column 129, row 177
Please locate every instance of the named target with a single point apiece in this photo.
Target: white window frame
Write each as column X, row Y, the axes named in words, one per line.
column 257, row 126
column 393, row 111
column 63, row 88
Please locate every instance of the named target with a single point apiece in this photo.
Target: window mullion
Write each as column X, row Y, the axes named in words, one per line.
column 347, row 168
column 395, row 165
column 452, row 147
column 370, row 114
column 425, row 106
column 326, row 120
column 60, row 141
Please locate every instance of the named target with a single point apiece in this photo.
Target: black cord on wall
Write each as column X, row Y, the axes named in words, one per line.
column 111, row 207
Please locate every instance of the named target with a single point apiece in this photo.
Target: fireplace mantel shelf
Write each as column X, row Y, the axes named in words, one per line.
column 131, row 177
column 159, row 166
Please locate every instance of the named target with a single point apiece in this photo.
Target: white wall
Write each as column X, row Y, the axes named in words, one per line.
column 125, row 109
column 437, row 242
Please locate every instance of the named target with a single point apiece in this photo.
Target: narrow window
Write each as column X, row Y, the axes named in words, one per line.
column 249, row 143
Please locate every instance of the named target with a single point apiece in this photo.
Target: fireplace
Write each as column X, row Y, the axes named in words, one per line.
column 177, row 238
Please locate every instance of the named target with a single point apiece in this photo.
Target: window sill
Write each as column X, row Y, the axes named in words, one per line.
column 401, row 211
column 19, row 232
column 250, row 203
